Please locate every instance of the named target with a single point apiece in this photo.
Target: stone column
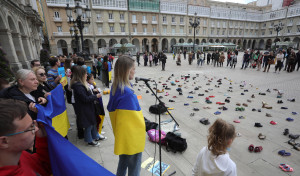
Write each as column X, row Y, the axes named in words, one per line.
column 70, row 49
column 17, row 40
column 9, row 49
column 95, row 48
column 28, row 51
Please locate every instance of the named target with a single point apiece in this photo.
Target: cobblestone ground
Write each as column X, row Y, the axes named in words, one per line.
column 264, row 163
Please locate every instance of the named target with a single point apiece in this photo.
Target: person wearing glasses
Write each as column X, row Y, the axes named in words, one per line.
column 17, row 133
column 26, row 83
column 43, row 89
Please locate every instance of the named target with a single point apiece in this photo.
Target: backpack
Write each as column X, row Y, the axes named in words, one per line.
column 175, row 143
column 154, row 136
column 155, row 109
column 150, row 125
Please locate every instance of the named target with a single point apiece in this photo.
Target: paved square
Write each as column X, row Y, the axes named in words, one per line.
column 263, row 163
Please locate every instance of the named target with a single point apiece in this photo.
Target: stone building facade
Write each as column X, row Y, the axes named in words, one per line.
column 158, row 25
column 20, row 37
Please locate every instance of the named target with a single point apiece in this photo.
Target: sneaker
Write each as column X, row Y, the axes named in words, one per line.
column 258, row 125
column 279, row 102
column 268, row 115
column 284, row 108
column 101, row 138
column 94, row 144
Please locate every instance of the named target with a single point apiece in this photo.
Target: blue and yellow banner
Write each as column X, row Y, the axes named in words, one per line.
column 127, row 121
column 65, row 158
column 109, row 71
column 101, row 116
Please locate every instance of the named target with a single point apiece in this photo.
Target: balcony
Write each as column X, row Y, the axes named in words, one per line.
column 99, row 20
column 55, row 19
column 154, row 22
column 111, row 20
column 117, row 33
column 145, row 22
column 218, row 26
column 212, row 25
column 165, row 23
column 271, row 26
column 182, row 23
column 291, row 24
column 174, row 23
column 134, row 21
column 61, row 34
column 122, row 21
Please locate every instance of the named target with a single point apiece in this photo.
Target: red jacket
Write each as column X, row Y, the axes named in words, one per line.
column 31, row 164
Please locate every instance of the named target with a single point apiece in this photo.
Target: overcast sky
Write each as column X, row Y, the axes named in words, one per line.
column 236, row 1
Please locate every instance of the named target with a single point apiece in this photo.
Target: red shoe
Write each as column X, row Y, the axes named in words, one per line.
column 176, row 81
column 218, row 102
column 211, row 96
column 273, row 123
column 207, row 98
column 174, row 97
column 251, row 148
column 258, row 149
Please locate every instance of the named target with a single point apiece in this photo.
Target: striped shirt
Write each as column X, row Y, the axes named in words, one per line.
column 51, row 76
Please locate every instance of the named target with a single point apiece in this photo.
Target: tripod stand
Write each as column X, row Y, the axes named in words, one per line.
column 159, row 125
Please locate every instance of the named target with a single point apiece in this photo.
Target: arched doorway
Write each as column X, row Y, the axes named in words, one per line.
column 136, row 43
column 123, row 41
column 296, row 42
column 145, row 45
column 211, row 41
column 268, row 44
column 164, row 44
column 217, row 41
column 112, row 42
column 62, row 47
column 229, row 40
column 287, row 39
column 234, row 41
column 245, row 44
column 88, row 46
column 101, row 46
column 181, row 40
column 154, row 45
column 261, row 44
column 75, row 46
column 197, row 41
column 203, row 41
column 253, row 44
column 223, row 41
column 240, row 43
column 249, row 44
column 190, row 40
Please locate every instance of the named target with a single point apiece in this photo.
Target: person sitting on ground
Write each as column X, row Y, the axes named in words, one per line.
column 214, row 159
column 23, row 91
column 52, row 75
column 17, row 134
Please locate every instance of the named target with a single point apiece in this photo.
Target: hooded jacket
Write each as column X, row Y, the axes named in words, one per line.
column 208, row 164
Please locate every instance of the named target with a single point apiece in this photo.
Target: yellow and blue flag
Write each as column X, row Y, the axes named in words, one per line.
column 65, row 158
column 109, row 71
column 101, row 115
column 127, row 121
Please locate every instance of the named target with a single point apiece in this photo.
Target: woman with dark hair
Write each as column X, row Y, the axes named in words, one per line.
column 214, row 159
column 291, row 61
column 105, row 76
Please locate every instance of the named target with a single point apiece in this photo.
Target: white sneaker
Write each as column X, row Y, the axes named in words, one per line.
column 94, row 144
column 102, row 132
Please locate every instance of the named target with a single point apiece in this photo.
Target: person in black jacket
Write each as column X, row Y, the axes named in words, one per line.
column 163, row 59
column 208, row 58
column 85, row 106
column 23, row 91
column 43, row 89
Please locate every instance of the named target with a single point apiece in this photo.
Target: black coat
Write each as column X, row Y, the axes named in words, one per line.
column 41, row 90
column 84, row 105
column 13, row 92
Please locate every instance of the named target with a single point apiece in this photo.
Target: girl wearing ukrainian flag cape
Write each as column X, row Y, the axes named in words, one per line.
column 127, row 119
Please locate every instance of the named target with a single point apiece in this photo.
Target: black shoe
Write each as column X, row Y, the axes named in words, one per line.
column 196, row 109
column 259, row 110
column 258, row 125
column 294, row 136
column 253, row 109
column 286, row 132
column 171, row 101
column 94, row 144
column 242, row 93
column 279, row 102
column 200, row 94
column 284, row 108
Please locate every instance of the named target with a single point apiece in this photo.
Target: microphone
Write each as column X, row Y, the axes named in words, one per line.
column 141, row 79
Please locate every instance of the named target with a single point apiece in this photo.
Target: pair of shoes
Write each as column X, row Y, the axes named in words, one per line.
column 291, row 100
column 186, row 104
column 252, row 96
column 227, row 100
column 261, row 136
column 206, row 107
column 289, row 119
column 294, row 136
column 204, row 121
column 268, row 115
column 196, row 109
column 94, row 144
column 261, row 93
column 284, row 153
column 238, row 104
column 191, row 92
column 220, row 103
column 258, row 124
column 242, row 93
column 244, row 104
column 237, row 121
column 279, row 102
column 171, row 101
column 286, row 132
column 101, row 138
column 249, row 100
column 258, row 110
column 256, row 149
column 253, row 109
column 273, row 123
column 217, row 113
column 242, row 117
column 190, row 97
column 200, row 94
column 192, row 114
column 239, row 109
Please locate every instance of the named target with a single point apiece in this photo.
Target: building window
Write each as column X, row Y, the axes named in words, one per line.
column 289, row 30
column 56, row 14
column 173, row 19
column 212, row 32
column 100, row 30
column 298, row 29
column 134, row 29
column 110, row 16
column 153, row 18
column 133, row 17
column 204, row 22
column 144, row 18
column 240, row 32
column 154, row 30
column 236, row 23
column 59, row 29
column 86, row 30
column 223, row 33
column 241, row 24
column 98, row 16
column 224, row 24
column 181, row 20
column 235, row 32
column 111, row 29
column 164, row 30
column 121, row 16
column 263, row 33
column 271, row 32
column 164, row 19
column 218, row 32
column 173, row 30
column 197, row 31
column 181, row 30
column 145, row 30
column 190, row 30
column 230, row 32
column 204, row 31
column 291, row 21
column 265, row 24
column 246, row 24
column 212, row 22
column 122, row 28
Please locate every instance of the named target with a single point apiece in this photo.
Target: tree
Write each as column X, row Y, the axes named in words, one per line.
column 5, row 70
column 44, row 56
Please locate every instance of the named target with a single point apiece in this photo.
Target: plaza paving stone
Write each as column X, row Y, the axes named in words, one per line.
column 263, row 163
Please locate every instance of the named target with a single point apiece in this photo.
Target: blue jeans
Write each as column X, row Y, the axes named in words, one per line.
column 133, row 162
column 91, row 133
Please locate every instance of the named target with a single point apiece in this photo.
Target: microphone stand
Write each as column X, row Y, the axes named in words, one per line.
column 159, row 127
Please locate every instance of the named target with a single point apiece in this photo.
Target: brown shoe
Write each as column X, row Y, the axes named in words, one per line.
column 244, row 104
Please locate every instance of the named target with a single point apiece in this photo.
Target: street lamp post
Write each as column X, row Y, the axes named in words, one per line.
column 74, row 33
column 194, row 23
column 278, row 28
column 79, row 22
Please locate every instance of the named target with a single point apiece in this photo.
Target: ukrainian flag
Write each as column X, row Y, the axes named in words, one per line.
column 127, row 121
column 65, row 158
column 101, row 115
column 109, row 71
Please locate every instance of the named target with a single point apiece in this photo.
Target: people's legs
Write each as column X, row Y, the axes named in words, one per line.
column 88, row 134
column 298, row 65
column 201, row 62
column 122, row 166
column 268, row 67
column 280, row 66
column 243, row 64
column 94, row 132
column 134, row 164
